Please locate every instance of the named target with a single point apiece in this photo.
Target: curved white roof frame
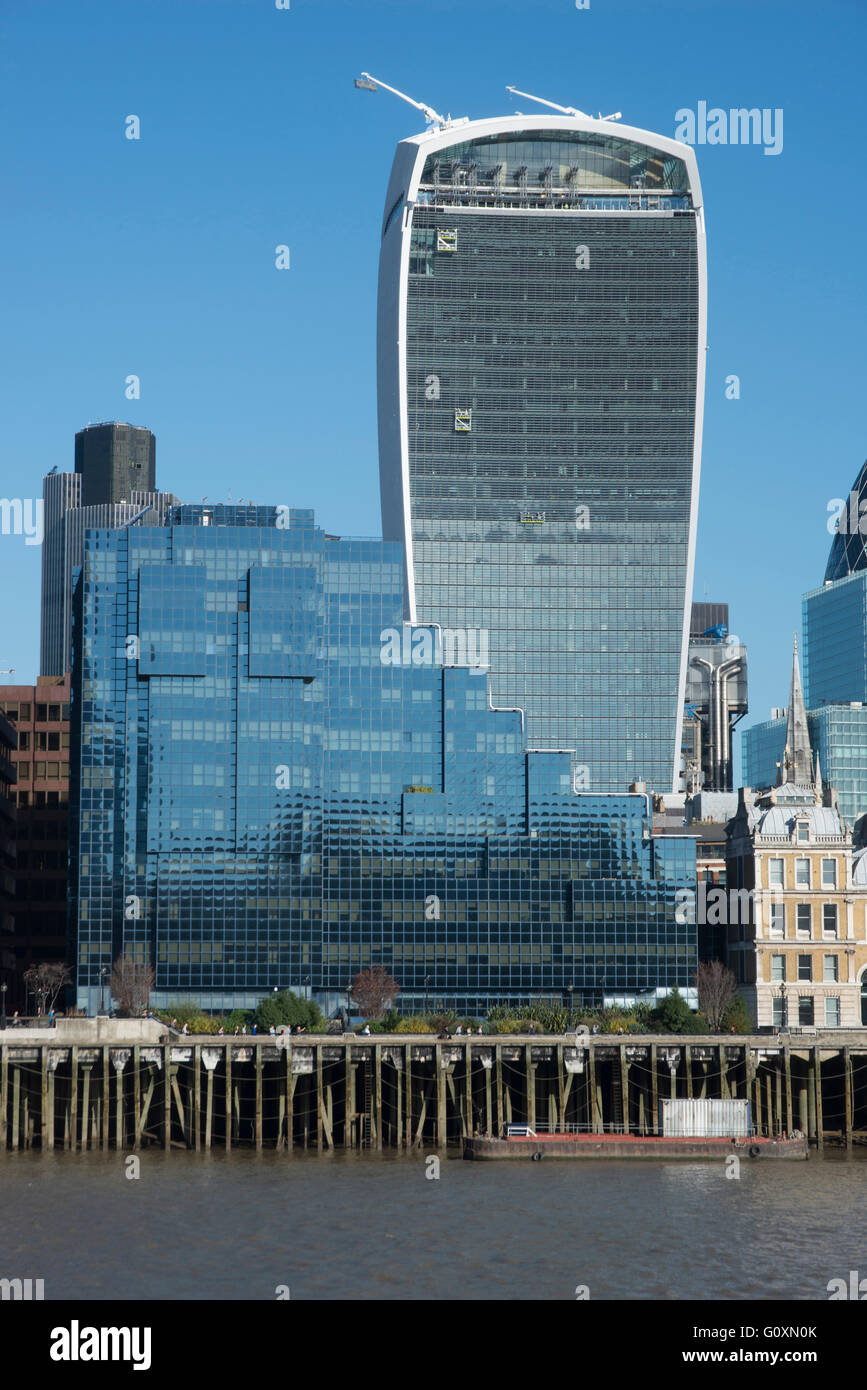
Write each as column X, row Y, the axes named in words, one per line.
column 401, row 198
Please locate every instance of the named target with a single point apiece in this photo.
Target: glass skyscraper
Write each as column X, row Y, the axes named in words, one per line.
column 275, row 782
column 542, row 322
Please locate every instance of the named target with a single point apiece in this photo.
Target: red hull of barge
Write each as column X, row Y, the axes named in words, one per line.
column 631, row 1146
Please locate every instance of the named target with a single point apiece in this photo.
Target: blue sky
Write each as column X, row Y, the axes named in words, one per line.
column 156, row 257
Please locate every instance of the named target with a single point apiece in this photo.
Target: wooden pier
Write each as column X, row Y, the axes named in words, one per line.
column 80, row 1087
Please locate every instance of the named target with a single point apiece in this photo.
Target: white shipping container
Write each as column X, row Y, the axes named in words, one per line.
column 705, row 1119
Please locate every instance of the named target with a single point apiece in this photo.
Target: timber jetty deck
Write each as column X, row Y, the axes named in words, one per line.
column 129, row 1084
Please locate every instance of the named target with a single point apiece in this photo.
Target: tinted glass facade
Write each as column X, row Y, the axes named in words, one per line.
column 838, row 734
column 65, row 524
column 847, row 554
column 277, row 783
column 835, row 641
column 541, row 330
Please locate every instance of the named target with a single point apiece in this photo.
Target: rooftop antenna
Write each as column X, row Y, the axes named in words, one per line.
column 371, row 84
column 566, row 110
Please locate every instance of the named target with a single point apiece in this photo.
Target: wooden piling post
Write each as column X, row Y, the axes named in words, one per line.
column 209, row 1109
column 407, row 1066
column 530, row 1084
column 377, row 1092
column 688, row 1055
column 803, row 1106
column 317, row 1099
column 847, row 1092
column 136, row 1095
column 227, row 1064
column 624, row 1089
column 750, row 1071
column 349, row 1099
column 43, row 1116
column 291, row 1083
column 118, row 1100
column 820, row 1119
column 498, row 1063
column 25, row 1089
column 442, row 1131
column 258, row 1055
column 4, row 1095
column 591, row 1091
column 654, row 1091
column 48, row 1118
column 106, row 1094
column 787, row 1075
column 73, row 1101
column 167, row 1096
column 85, row 1110
column 197, row 1096
column 468, row 1088
column 16, row 1103
column 561, row 1090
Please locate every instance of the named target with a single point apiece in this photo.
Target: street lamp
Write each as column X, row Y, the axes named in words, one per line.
column 784, row 1011
column 425, row 986
column 103, row 971
column 348, row 1005
column 570, row 990
column 3, row 989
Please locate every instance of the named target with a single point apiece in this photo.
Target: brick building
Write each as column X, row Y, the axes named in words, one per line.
column 39, row 714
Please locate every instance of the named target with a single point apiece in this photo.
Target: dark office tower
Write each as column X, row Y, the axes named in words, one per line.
column 541, row 377
column 114, row 460
column 102, row 492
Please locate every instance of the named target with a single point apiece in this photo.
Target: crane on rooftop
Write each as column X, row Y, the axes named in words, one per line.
column 565, row 110
column 372, row 84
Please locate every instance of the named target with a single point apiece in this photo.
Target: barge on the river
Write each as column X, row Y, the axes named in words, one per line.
column 667, row 1147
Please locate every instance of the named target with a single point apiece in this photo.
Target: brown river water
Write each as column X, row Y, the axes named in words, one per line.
column 374, row 1226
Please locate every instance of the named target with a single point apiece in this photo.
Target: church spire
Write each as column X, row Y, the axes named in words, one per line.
column 798, row 756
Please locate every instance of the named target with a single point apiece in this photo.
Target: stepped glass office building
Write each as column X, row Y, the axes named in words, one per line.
column 542, row 319
column 276, row 783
